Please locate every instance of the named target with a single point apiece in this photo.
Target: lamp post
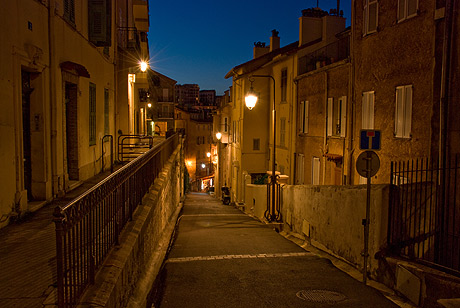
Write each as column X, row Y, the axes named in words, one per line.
column 251, row 100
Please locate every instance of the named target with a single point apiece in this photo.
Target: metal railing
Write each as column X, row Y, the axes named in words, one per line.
column 131, row 146
column 128, row 37
column 88, row 227
column 424, row 213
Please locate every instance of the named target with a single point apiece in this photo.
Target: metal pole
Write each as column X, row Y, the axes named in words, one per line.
column 366, row 221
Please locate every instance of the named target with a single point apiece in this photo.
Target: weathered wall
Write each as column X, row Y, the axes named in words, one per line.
column 330, row 217
column 128, row 264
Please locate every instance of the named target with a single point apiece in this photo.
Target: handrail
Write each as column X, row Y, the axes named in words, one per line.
column 134, row 144
column 89, row 226
column 111, row 152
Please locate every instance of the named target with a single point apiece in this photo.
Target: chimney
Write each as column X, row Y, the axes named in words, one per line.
column 274, row 40
column 260, row 49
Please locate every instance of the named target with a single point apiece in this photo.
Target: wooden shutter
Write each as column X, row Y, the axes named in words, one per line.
column 301, row 117
column 99, row 19
column 407, row 111
column 330, row 119
column 343, row 115
column 306, row 116
column 399, row 112
column 368, row 110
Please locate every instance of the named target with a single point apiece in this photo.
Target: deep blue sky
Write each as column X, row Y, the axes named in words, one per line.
column 200, row 41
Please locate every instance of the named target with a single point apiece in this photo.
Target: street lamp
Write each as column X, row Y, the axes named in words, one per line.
column 143, row 65
column 251, row 100
column 218, row 135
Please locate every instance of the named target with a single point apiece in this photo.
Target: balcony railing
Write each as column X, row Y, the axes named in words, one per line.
column 88, row 227
column 128, row 37
column 326, row 55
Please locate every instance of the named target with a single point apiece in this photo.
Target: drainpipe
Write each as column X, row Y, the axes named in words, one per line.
column 53, row 109
column 352, row 96
column 445, row 78
column 325, row 128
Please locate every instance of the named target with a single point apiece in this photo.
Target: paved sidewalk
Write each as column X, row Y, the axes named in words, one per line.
column 224, row 258
column 28, row 254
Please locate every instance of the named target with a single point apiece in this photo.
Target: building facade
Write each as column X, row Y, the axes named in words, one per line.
column 59, row 82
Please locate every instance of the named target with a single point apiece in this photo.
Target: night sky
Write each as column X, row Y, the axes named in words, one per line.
column 200, row 41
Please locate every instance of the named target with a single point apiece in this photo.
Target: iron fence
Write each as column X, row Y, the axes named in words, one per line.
column 424, row 212
column 88, row 227
column 131, row 146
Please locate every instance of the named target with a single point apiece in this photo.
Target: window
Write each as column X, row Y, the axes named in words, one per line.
column 370, row 16
column 99, row 22
column 283, row 84
column 300, row 167
column 69, row 11
column 225, row 124
column 336, row 116
column 282, row 132
column 407, row 9
column 368, row 110
column 316, row 164
column 92, row 113
column 303, row 116
column 166, row 95
column 256, row 144
column 403, row 114
column 106, row 112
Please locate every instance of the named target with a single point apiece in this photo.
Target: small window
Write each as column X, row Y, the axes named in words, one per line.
column 407, row 9
column 283, row 84
column 92, row 113
column 368, row 110
column 303, row 116
column 403, row 113
column 256, row 144
column 282, row 132
column 106, row 112
column 69, row 11
column 316, row 165
column 370, row 16
column 336, row 117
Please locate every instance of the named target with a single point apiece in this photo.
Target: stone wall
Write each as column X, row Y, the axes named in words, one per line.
column 330, row 217
column 131, row 267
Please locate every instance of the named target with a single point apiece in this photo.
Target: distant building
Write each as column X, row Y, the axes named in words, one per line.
column 207, row 98
column 187, row 95
column 162, row 97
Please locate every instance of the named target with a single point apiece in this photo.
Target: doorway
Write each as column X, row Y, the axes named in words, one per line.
column 71, row 130
column 26, row 134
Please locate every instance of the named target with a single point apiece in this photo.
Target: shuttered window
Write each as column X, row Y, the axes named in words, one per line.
column 92, row 113
column 368, row 110
column 303, row 116
column 403, row 111
column 370, row 16
column 99, row 22
column 407, row 9
column 69, row 11
column 336, row 116
column 282, row 132
column 283, row 85
column 106, row 112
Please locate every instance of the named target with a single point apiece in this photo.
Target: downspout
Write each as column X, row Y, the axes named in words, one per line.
column 325, row 150
column 294, row 118
column 445, row 78
column 351, row 121
column 53, row 109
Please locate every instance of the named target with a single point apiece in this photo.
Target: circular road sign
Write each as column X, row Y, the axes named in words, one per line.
column 362, row 164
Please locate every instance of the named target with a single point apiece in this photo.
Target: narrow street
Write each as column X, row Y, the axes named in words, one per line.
column 224, row 258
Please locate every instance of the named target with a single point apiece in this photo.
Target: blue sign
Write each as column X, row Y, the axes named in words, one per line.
column 369, row 140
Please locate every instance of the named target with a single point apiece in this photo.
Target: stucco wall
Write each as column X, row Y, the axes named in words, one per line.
column 330, row 217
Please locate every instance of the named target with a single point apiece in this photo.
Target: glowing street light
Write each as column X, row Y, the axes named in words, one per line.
column 144, row 66
column 218, row 135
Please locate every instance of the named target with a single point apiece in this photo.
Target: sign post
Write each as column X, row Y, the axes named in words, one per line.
column 367, row 165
